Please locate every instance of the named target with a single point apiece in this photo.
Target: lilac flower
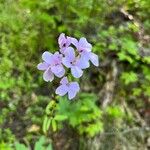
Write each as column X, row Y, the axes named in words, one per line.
column 71, row 88
column 51, row 66
column 64, row 42
column 84, row 49
column 73, row 62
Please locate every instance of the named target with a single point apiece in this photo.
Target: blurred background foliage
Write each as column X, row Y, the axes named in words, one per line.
column 115, row 98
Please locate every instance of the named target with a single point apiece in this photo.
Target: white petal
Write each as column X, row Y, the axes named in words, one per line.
column 48, row 75
column 60, row 74
column 74, row 42
column 94, row 59
column 42, row 66
column 64, row 80
column 73, row 90
column 74, row 86
column 61, row 37
column 84, row 43
column 57, row 69
column 47, row 57
column 70, row 54
column 76, row 71
column 83, row 63
column 66, row 62
column 61, row 90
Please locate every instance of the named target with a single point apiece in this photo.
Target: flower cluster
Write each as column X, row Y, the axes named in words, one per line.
column 73, row 54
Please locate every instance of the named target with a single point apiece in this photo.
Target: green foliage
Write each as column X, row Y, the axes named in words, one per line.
column 39, row 145
column 129, row 77
column 115, row 112
column 6, row 135
column 82, row 115
column 20, row 146
column 5, row 146
column 7, row 139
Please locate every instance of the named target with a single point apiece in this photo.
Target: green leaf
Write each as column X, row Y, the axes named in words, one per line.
column 137, row 91
column 60, row 117
column 39, row 144
column 50, row 106
column 49, row 147
column 129, row 77
column 20, row 146
column 5, row 146
column 115, row 112
column 129, row 46
column 48, row 124
column 146, row 59
column 54, row 125
column 124, row 57
column 95, row 128
column 45, row 124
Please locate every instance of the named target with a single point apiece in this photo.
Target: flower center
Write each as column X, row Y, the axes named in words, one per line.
column 64, row 45
column 81, row 51
column 73, row 62
column 67, row 84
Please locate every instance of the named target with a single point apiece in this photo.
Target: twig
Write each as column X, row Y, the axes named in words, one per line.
column 108, row 89
column 147, row 129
